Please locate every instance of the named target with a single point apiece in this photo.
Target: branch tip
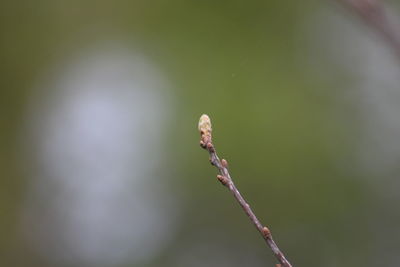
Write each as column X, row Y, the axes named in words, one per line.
column 205, row 132
column 225, row 179
column 205, row 124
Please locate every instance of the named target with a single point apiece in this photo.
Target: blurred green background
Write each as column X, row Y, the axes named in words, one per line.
column 99, row 156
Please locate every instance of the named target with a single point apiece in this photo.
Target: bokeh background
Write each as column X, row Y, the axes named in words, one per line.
column 99, row 157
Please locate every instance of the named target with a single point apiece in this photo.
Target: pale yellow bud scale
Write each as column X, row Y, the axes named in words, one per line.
column 205, row 125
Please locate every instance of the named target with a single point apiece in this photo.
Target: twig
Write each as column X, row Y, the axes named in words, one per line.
column 226, row 180
column 374, row 14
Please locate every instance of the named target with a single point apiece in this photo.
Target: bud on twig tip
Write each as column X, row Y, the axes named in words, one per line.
column 205, row 124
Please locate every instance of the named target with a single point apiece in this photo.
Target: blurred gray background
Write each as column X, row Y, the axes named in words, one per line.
column 99, row 157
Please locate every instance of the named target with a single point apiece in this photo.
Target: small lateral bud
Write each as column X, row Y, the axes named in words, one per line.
column 222, row 179
column 266, row 232
column 224, row 163
column 202, row 144
column 210, row 147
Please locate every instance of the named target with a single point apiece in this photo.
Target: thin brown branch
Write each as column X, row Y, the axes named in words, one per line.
column 373, row 13
column 225, row 178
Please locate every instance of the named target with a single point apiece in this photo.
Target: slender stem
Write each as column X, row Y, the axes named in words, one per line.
column 374, row 14
column 225, row 178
